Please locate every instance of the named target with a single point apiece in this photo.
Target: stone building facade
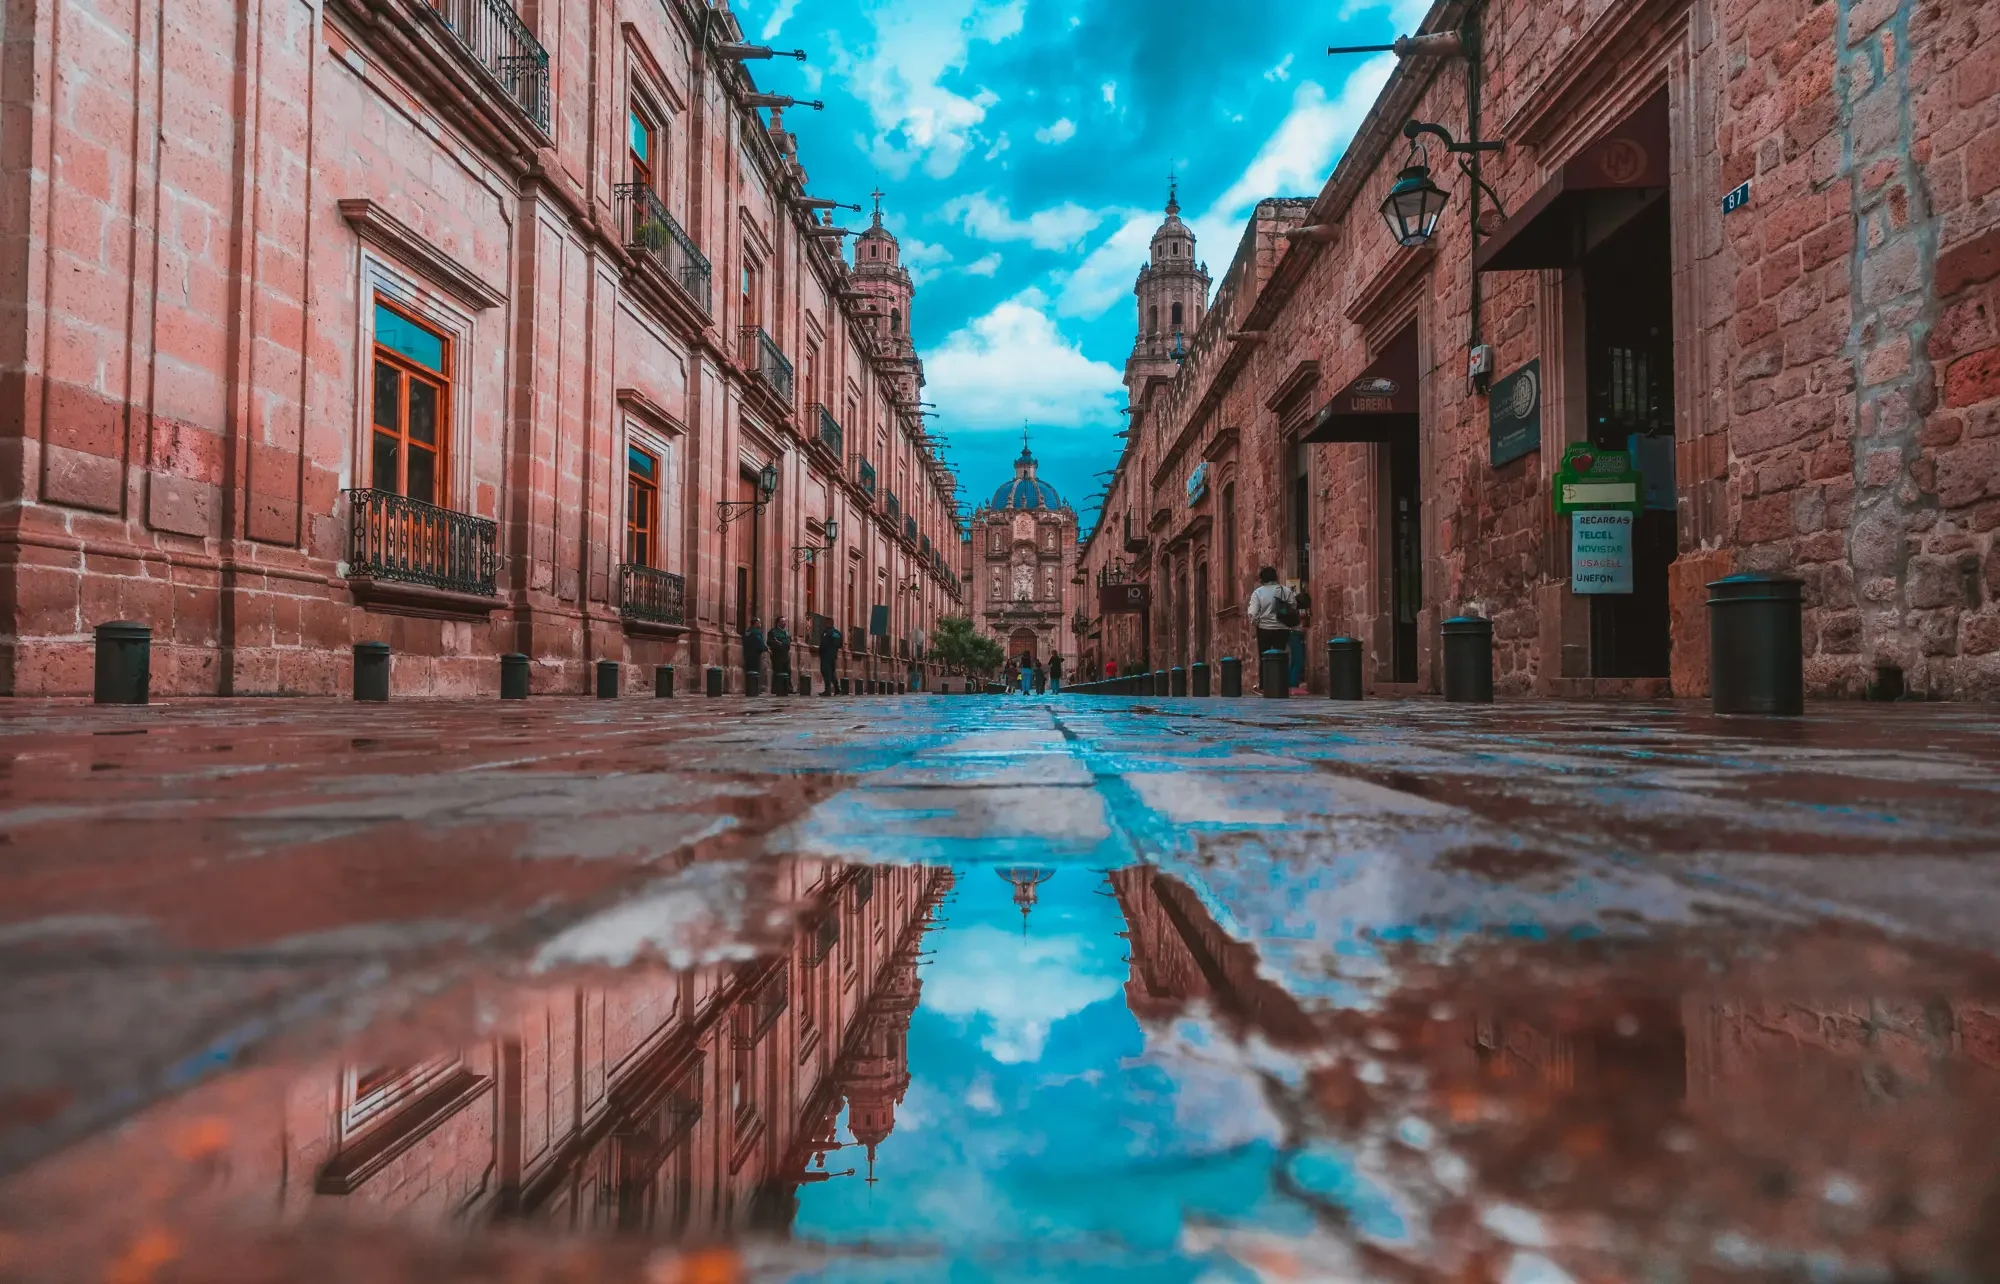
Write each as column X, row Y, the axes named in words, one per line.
column 1805, row 373
column 1022, row 558
column 446, row 323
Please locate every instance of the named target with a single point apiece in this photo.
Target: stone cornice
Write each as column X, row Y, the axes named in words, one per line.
column 376, row 225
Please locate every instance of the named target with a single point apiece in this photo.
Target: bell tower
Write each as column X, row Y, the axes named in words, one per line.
column 1172, row 290
column 886, row 293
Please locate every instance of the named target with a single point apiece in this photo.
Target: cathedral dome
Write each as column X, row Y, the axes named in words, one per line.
column 1026, row 490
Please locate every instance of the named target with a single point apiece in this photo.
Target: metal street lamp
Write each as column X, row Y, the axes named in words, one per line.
column 728, row 510
column 1415, row 203
column 803, row 554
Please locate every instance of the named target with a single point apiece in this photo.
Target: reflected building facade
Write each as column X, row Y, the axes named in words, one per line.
column 688, row 1106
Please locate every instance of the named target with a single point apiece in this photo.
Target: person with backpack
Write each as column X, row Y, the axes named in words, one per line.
column 1055, row 673
column 1274, row 613
column 829, row 655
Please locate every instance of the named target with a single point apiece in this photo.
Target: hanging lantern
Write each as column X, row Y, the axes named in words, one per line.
column 767, row 481
column 1414, row 205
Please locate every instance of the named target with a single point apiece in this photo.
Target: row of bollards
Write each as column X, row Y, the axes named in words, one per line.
column 1755, row 663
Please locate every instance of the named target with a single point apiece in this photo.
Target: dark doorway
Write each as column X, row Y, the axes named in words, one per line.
column 1204, row 612
column 1403, row 538
column 1301, row 497
column 1629, row 372
column 1181, row 620
column 749, row 559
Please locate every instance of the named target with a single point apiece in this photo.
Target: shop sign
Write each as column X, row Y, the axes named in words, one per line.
column 1197, row 484
column 1600, row 551
column 1593, row 478
column 1514, row 415
column 878, row 621
column 1124, row 599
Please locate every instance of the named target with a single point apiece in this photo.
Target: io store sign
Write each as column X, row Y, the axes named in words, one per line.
column 1600, row 551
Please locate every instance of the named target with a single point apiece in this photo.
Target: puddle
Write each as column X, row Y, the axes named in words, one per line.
column 1057, row 1072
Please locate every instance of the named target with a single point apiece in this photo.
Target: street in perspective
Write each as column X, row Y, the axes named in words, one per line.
column 579, row 703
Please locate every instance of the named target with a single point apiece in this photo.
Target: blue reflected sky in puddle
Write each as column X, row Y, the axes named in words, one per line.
column 1045, row 1134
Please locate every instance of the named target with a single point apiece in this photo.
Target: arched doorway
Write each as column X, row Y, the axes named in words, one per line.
column 1022, row 643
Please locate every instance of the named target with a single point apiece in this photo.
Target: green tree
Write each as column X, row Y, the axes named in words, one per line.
column 959, row 645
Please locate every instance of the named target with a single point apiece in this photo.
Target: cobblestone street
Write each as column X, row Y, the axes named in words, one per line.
column 997, row 988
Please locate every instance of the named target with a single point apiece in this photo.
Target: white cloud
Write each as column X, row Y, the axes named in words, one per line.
column 1019, row 987
column 1283, row 71
column 916, row 45
column 779, row 17
column 923, row 259
column 1404, row 15
column 1058, row 227
column 1061, row 132
column 1110, row 91
column 1013, row 365
column 985, row 266
column 1296, row 159
column 1105, row 276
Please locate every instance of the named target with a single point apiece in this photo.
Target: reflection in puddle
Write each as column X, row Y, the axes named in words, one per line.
column 1054, row 1072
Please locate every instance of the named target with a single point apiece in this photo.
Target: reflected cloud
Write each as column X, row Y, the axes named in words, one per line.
column 1014, row 988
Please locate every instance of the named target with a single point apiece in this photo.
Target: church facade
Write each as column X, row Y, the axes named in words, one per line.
column 1022, row 557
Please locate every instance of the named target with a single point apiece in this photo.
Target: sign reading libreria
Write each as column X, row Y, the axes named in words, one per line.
column 1600, row 550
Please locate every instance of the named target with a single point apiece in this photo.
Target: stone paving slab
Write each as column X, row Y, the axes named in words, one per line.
column 197, row 889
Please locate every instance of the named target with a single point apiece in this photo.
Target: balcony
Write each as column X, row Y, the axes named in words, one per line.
column 910, row 529
column 650, row 596
column 501, row 43
column 759, row 1010
column 411, row 542
column 826, row 429
column 857, row 639
column 649, row 229
column 864, row 475
column 892, row 506
column 762, row 358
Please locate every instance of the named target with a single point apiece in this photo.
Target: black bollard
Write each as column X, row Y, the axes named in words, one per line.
column 753, row 682
column 371, row 670
column 1468, row 659
column 1177, row 681
column 803, row 683
column 714, row 680
column 1232, row 675
column 1756, row 649
column 513, row 676
column 846, row 686
column 1198, row 679
column 1274, row 674
column 1159, row 685
column 781, row 684
column 1343, row 668
column 124, row 663
column 607, row 679
column 663, row 682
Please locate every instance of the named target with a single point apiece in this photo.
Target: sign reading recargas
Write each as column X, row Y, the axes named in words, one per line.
column 1600, row 551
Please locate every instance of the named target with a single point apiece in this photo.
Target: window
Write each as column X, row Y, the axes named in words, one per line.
column 895, row 321
column 640, row 139
column 642, row 506
column 753, row 293
column 412, row 407
column 1229, row 544
column 1153, row 319
column 1177, row 316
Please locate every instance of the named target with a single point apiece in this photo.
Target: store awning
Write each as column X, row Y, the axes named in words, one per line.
column 1377, row 406
column 1595, row 193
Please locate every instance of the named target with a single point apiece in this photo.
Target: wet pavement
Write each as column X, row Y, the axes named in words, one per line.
column 968, row 989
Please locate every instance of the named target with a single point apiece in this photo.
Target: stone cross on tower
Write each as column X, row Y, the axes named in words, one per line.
column 877, row 194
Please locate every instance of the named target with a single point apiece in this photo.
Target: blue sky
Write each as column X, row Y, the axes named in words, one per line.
column 1024, row 148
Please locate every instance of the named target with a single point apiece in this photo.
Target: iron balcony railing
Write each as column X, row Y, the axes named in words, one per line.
column 925, row 545
column 649, row 228
column 864, row 474
column 857, row 639
column 391, row 537
column 827, row 429
column 910, row 528
column 762, row 355
column 657, row 597
column 892, row 506
column 759, row 1010
column 500, row 42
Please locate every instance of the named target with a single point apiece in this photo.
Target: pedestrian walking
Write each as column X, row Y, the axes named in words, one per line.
column 1111, row 668
column 1041, row 679
column 1027, row 673
column 1055, row 673
column 753, row 652
column 829, row 655
column 779, row 639
column 1274, row 613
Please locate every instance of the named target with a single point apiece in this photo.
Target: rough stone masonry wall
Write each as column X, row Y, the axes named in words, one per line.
column 1865, row 425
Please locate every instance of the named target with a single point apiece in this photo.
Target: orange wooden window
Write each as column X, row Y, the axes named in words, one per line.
column 412, row 407
column 642, row 506
column 640, row 141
